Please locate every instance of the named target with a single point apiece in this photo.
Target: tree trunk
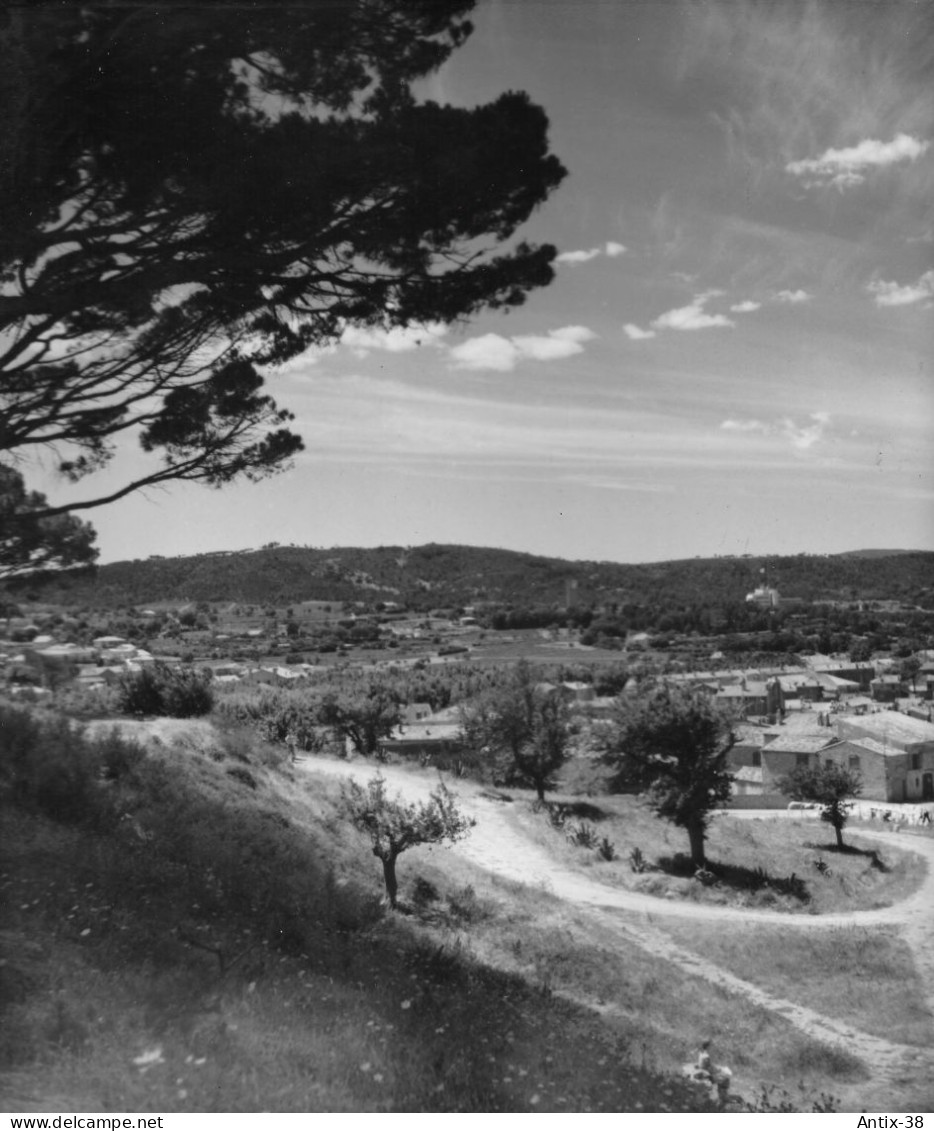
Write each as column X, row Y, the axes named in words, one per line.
column 696, row 837
column 389, row 875
column 838, row 829
column 540, row 790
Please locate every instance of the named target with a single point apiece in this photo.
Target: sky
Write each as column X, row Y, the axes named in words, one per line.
column 735, row 355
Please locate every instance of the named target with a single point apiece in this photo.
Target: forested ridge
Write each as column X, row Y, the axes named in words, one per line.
column 448, row 575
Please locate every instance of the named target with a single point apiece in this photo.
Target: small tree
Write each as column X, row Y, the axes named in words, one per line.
column 830, row 786
column 394, row 825
column 526, row 720
column 673, row 744
column 365, row 721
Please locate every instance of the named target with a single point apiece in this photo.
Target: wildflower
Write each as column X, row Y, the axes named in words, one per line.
column 535, row 1099
column 365, row 1067
column 378, row 1077
column 407, row 1005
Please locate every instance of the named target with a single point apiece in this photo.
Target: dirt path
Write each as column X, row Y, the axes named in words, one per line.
column 497, row 847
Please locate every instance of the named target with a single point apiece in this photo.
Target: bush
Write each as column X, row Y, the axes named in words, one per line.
column 50, row 766
column 181, row 693
column 583, row 835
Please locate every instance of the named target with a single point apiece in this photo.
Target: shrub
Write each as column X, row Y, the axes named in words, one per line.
column 583, row 835
column 181, row 693
column 50, row 766
column 606, row 849
column 637, row 860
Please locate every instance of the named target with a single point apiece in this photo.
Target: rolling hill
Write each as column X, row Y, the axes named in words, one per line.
column 435, row 576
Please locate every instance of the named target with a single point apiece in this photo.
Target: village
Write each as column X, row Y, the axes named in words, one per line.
column 874, row 717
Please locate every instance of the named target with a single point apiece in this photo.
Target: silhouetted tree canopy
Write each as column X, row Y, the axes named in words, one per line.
column 31, row 542
column 190, row 194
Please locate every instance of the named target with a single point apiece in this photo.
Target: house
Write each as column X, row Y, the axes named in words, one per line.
column 781, row 754
column 753, row 698
column 747, row 781
column 859, row 673
column 415, row 712
column 906, row 746
column 805, row 686
column 888, row 688
column 424, row 739
column 883, row 769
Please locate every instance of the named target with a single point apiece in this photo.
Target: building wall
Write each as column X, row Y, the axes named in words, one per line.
column 853, row 727
column 778, row 764
column 883, row 775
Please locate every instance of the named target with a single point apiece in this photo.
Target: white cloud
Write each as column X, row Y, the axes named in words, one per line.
column 492, row 351
column 805, row 436
column 746, row 426
column 611, row 249
column 560, row 343
column 802, row 437
column 398, row 339
column 792, row 296
column 745, row 307
column 578, row 256
column 844, row 168
column 631, row 330
column 693, row 316
column 891, row 294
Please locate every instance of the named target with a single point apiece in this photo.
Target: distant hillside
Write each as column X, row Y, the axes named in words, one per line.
column 435, row 576
column 874, row 553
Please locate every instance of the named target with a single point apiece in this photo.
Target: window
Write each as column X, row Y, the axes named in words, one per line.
column 757, row 757
column 916, row 761
column 854, row 763
column 801, row 760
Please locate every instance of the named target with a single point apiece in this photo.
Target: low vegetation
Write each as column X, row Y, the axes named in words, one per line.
column 786, row 866
column 202, row 931
column 864, row 976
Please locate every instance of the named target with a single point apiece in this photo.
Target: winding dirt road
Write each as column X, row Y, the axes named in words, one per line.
column 497, row 847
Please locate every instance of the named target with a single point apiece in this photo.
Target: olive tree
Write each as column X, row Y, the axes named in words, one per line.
column 394, row 825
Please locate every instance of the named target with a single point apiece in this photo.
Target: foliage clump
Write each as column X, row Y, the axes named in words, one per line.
column 527, row 722
column 672, row 743
column 179, row 692
column 49, row 765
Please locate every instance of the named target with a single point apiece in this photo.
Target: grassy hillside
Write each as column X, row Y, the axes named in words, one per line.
column 197, row 928
column 432, row 576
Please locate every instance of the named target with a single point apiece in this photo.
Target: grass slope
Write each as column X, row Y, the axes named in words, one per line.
column 203, row 933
